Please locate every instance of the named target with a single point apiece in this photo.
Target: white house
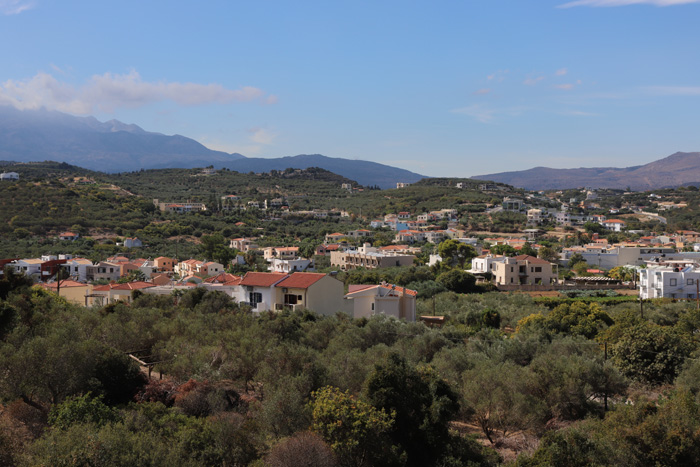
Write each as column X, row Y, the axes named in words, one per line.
column 132, row 243
column 435, row 236
column 78, row 268
column 257, row 289
column 320, row 293
column 616, row 225
column 672, row 279
column 363, row 301
column 289, row 266
column 485, row 263
column 28, row 266
column 9, row 176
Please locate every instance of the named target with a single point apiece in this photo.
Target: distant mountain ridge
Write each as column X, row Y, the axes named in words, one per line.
column 113, row 146
column 681, row 168
column 364, row 172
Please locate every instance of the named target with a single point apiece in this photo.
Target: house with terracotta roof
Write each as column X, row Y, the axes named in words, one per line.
column 317, row 292
column 110, row 293
column 364, row 301
column 326, row 248
column 209, row 268
column 409, row 236
column 71, row 236
column 187, row 267
column 360, row 233
column 224, row 278
column 523, row 270
column 368, row 257
column 180, row 207
column 281, row 252
column 257, row 289
column 224, row 282
column 400, row 249
column 160, row 279
column 243, row 244
column 164, row 264
column 335, row 237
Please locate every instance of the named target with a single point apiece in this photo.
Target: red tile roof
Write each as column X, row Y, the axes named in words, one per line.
column 357, row 287
column 301, row 280
column 398, row 289
column 531, row 259
column 224, row 278
column 262, row 279
column 64, row 283
column 128, row 286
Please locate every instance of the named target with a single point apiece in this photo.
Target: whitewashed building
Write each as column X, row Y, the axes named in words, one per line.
column 671, row 279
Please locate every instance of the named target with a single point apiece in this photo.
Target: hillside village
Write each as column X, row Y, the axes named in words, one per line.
column 246, row 303
column 548, row 234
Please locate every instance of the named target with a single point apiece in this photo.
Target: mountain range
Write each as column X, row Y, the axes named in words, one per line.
column 113, row 146
column 681, row 168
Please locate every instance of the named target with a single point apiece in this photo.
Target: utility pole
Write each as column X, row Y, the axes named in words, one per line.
column 605, row 391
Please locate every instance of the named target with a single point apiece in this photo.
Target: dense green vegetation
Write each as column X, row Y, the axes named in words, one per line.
column 104, row 208
column 239, row 389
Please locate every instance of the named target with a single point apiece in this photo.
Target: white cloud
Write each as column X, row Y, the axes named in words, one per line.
column 533, row 81
column 498, row 76
column 673, row 90
column 477, row 112
column 486, row 114
column 561, row 72
column 612, row 3
column 262, row 136
column 15, row 7
column 111, row 91
column 578, row 113
column 568, row 86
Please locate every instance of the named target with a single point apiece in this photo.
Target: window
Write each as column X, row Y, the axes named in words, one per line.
column 255, row 298
column 690, row 282
column 673, row 282
column 290, row 299
column 538, row 269
column 373, row 306
column 690, row 295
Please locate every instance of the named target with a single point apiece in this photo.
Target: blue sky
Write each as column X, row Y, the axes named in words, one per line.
column 442, row 88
